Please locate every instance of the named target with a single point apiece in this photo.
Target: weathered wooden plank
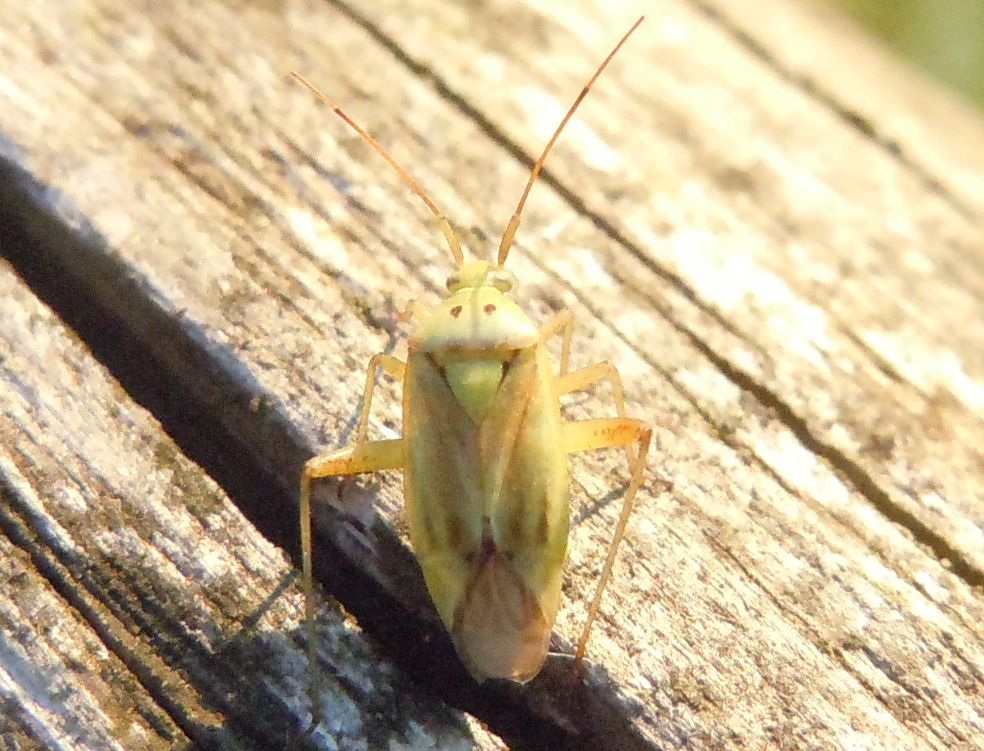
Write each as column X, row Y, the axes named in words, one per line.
column 744, row 278
column 139, row 609
column 928, row 127
column 60, row 686
column 816, row 280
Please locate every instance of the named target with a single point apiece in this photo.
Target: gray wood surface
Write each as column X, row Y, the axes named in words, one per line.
column 140, row 609
column 789, row 278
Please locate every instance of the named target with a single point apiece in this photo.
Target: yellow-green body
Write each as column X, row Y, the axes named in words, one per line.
column 485, row 478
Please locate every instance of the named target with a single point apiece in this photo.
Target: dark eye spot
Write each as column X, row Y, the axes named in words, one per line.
column 456, row 311
column 489, row 309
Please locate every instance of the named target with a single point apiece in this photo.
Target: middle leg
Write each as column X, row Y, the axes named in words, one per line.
column 609, row 433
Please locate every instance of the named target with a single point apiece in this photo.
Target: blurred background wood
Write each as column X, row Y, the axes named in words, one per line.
column 941, row 36
column 749, row 216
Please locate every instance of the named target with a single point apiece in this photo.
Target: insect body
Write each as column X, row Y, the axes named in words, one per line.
column 484, row 455
column 485, row 478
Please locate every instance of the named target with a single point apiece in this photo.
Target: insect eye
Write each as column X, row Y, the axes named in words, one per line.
column 453, row 282
column 501, row 280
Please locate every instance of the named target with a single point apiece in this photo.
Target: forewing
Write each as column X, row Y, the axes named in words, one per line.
column 526, row 472
column 442, row 482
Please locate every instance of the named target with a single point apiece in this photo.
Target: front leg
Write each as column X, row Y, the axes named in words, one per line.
column 371, row 456
column 393, row 367
column 361, row 457
column 562, row 323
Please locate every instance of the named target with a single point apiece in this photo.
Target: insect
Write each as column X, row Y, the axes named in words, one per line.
column 484, row 453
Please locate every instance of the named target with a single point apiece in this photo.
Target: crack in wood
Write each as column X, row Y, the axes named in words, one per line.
column 855, row 120
column 111, row 310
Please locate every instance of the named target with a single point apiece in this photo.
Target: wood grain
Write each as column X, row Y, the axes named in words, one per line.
column 794, row 305
column 141, row 609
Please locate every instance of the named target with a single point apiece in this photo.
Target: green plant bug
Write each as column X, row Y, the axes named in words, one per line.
column 484, row 454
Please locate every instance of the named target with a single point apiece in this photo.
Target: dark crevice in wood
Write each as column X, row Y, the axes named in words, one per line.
column 854, row 120
column 727, row 437
column 851, row 470
column 84, row 587
column 17, row 730
column 206, row 401
column 569, row 195
column 33, row 243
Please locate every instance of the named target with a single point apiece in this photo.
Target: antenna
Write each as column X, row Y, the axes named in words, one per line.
column 445, row 226
column 507, row 236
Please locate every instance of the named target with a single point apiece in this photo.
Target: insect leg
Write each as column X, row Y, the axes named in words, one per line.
column 362, row 456
column 562, row 323
column 609, row 433
column 591, row 374
column 394, row 367
column 359, row 458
